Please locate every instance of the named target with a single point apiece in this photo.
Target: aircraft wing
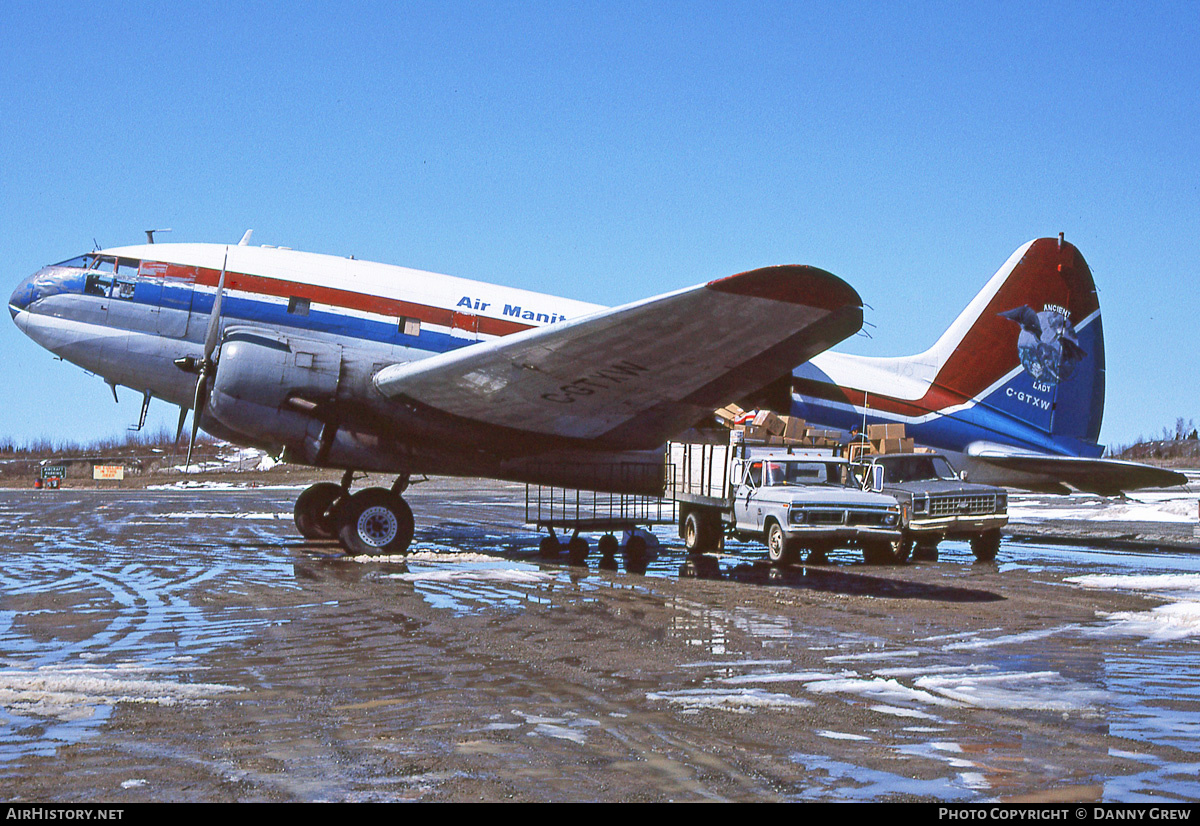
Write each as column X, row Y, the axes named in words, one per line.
column 634, row 376
column 1106, row 477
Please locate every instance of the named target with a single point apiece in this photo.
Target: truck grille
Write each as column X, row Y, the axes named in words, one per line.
column 826, row 517
column 871, row 518
column 973, row 505
column 842, row 517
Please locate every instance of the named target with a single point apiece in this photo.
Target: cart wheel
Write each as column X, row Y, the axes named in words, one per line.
column 548, row 548
column 577, row 550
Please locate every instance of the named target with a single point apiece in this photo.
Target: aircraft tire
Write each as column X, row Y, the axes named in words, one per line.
column 375, row 521
column 986, row 545
column 314, row 514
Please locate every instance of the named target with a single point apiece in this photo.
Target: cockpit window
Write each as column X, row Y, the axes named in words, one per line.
column 98, row 284
column 79, row 262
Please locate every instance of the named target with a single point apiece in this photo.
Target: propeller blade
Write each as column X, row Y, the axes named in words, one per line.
column 214, row 320
column 207, row 366
column 197, row 409
column 183, row 411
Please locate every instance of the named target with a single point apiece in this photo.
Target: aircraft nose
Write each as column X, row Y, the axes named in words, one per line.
column 22, row 296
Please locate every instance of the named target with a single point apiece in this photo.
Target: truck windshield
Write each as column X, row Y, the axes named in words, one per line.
column 803, row 473
column 915, row 468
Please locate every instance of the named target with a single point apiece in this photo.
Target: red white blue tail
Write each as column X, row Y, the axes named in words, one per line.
column 1021, row 367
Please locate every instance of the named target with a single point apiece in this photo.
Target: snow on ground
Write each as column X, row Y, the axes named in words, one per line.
column 1177, row 619
column 1180, row 504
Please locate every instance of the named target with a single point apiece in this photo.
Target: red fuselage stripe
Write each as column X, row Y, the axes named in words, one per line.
column 332, row 296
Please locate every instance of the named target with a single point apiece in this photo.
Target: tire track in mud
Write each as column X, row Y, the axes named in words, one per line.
column 85, row 628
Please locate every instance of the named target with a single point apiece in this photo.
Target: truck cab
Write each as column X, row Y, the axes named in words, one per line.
column 796, row 501
column 936, row 502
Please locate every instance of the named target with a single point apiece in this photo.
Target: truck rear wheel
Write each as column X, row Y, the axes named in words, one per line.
column 701, row 532
column 780, row 549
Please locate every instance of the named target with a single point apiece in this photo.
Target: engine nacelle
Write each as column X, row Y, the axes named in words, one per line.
column 259, row 371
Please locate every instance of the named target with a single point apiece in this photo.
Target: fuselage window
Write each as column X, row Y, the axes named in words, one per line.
column 298, row 306
column 410, row 326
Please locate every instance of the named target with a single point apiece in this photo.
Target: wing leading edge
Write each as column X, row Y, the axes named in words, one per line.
column 634, row 376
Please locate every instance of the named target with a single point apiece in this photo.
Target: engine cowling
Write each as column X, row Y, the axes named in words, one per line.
column 259, row 371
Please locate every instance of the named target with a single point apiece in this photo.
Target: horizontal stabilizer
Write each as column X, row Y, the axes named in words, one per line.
column 1106, row 477
column 633, row 376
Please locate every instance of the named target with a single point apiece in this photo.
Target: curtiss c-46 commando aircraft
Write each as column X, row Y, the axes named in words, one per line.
column 341, row 363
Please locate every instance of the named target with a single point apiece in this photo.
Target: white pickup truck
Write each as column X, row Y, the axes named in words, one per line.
column 792, row 500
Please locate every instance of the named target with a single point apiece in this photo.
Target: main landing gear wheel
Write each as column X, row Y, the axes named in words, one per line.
column 375, row 521
column 315, row 511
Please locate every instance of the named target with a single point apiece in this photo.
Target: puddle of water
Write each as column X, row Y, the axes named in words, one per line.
column 84, row 627
column 827, row 778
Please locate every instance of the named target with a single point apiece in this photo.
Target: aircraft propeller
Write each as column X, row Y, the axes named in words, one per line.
column 206, row 368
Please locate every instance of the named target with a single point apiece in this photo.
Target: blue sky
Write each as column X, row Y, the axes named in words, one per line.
column 609, row 151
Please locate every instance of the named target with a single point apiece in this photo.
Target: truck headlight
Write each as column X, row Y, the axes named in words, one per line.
column 1001, row 502
column 891, row 519
column 920, row 504
column 796, row 517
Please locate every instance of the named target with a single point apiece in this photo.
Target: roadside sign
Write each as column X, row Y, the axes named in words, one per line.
column 54, row 471
column 108, row 472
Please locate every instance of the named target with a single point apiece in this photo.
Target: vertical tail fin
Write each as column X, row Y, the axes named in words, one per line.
column 1022, row 365
column 1030, row 346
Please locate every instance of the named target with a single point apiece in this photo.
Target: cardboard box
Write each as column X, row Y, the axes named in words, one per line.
column 726, row 415
column 755, row 433
column 770, row 421
column 793, row 427
column 892, row 430
column 888, row 446
column 895, row 446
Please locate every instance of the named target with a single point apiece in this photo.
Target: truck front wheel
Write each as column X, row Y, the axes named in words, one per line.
column 986, row 545
column 780, row 549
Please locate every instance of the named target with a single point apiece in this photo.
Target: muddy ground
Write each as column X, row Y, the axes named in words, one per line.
column 184, row 645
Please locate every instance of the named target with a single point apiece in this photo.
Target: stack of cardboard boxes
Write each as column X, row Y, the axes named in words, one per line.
column 768, row 428
column 888, row 438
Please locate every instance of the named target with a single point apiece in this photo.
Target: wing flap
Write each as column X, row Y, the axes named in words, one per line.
column 632, row 376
